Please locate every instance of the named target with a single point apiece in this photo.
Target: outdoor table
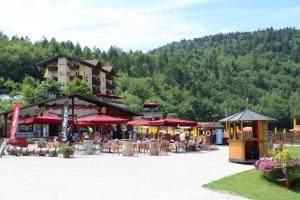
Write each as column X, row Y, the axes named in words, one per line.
column 127, row 147
column 154, row 148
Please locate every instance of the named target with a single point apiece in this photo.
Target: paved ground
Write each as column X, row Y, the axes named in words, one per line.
column 107, row 177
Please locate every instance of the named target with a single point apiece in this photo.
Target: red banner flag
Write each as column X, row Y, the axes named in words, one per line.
column 14, row 121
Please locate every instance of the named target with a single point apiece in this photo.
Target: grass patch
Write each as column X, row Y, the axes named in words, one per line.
column 295, row 150
column 251, row 184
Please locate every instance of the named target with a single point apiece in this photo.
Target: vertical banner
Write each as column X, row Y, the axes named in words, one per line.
column 14, row 121
column 64, row 122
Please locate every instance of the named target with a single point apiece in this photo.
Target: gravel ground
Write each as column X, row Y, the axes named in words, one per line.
column 107, row 177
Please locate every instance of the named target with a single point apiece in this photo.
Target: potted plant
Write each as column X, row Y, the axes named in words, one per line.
column 280, row 167
column 66, row 150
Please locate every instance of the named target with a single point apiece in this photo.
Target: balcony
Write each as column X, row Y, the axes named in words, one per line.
column 73, row 65
column 96, row 90
column 95, row 72
column 109, row 77
column 95, row 81
column 110, row 86
column 52, row 67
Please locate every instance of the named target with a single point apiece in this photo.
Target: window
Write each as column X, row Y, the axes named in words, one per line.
column 61, row 64
column 77, row 74
column 61, row 73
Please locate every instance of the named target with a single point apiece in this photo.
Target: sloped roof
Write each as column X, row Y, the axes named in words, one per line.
column 107, row 68
column 93, row 62
column 247, row 115
column 211, row 125
column 54, row 58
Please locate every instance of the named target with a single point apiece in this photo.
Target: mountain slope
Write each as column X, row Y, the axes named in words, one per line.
column 198, row 79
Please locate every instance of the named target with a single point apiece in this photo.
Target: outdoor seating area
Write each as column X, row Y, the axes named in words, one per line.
column 94, row 137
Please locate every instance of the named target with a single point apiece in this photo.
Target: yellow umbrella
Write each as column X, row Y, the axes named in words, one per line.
column 194, row 132
column 284, row 133
column 231, row 130
column 295, row 123
column 237, row 129
column 275, row 132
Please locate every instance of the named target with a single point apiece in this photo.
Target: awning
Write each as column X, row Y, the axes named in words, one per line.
column 46, row 119
column 139, row 122
column 100, row 120
column 172, row 122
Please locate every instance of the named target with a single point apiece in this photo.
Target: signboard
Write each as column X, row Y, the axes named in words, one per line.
column 64, row 122
column 14, row 121
column 219, row 136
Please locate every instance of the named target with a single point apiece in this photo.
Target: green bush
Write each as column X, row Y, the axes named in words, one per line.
column 66, row 149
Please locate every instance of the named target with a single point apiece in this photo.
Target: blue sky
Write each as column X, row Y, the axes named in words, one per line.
column 138, row 24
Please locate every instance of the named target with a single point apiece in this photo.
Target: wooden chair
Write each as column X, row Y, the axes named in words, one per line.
column 164, row 148
column 145, row 147
column 115, row 147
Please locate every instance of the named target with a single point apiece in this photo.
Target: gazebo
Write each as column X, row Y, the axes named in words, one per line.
column 245, row 146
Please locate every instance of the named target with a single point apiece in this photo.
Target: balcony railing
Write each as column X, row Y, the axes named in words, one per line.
column 110, row 86
column 95, row 72
column 109, row 77
column 73, row 64
column 95, row 81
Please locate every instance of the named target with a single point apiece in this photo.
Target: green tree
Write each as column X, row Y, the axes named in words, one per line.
column 77, row 86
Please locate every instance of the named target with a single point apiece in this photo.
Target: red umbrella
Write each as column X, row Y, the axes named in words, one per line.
column 100, row 120
column 172, row 122
column 46, row 119
column 199, row 125
column 139, row 122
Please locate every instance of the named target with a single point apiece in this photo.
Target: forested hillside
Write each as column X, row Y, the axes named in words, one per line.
column 197, row 79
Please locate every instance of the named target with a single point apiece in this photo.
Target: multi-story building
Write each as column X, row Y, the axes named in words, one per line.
column 64, row 69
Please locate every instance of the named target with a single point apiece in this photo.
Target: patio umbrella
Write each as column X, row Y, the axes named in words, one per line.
column 100, row 120
column 139, row 122
column 199, row 125
column 46, row 119
column 172, row 122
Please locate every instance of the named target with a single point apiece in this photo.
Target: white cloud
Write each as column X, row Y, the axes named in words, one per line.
column 100, row 24
column 226, row 30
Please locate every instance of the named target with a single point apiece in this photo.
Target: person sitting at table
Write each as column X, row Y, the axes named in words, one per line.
column 182, row 136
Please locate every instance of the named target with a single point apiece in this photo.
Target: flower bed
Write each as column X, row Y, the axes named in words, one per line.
column 280, row 168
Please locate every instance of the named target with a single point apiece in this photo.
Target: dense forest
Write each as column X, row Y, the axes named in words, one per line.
column 197, row 79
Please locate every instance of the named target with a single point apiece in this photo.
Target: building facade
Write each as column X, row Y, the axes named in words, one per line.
column 64, row 69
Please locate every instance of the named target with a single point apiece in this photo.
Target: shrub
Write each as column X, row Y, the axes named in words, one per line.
column 66, row 149
column 282, row 157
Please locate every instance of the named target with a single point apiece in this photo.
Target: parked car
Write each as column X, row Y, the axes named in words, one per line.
column 18, row 97
column 5, row 98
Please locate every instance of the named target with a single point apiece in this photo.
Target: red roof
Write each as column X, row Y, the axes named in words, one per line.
column 139, row 122
column 46, row 119
column 172, row 122
column 150, row 105
column 112, row 96
column 100, row 120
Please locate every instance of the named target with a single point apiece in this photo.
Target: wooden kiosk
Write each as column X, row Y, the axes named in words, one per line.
column 246, row 145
